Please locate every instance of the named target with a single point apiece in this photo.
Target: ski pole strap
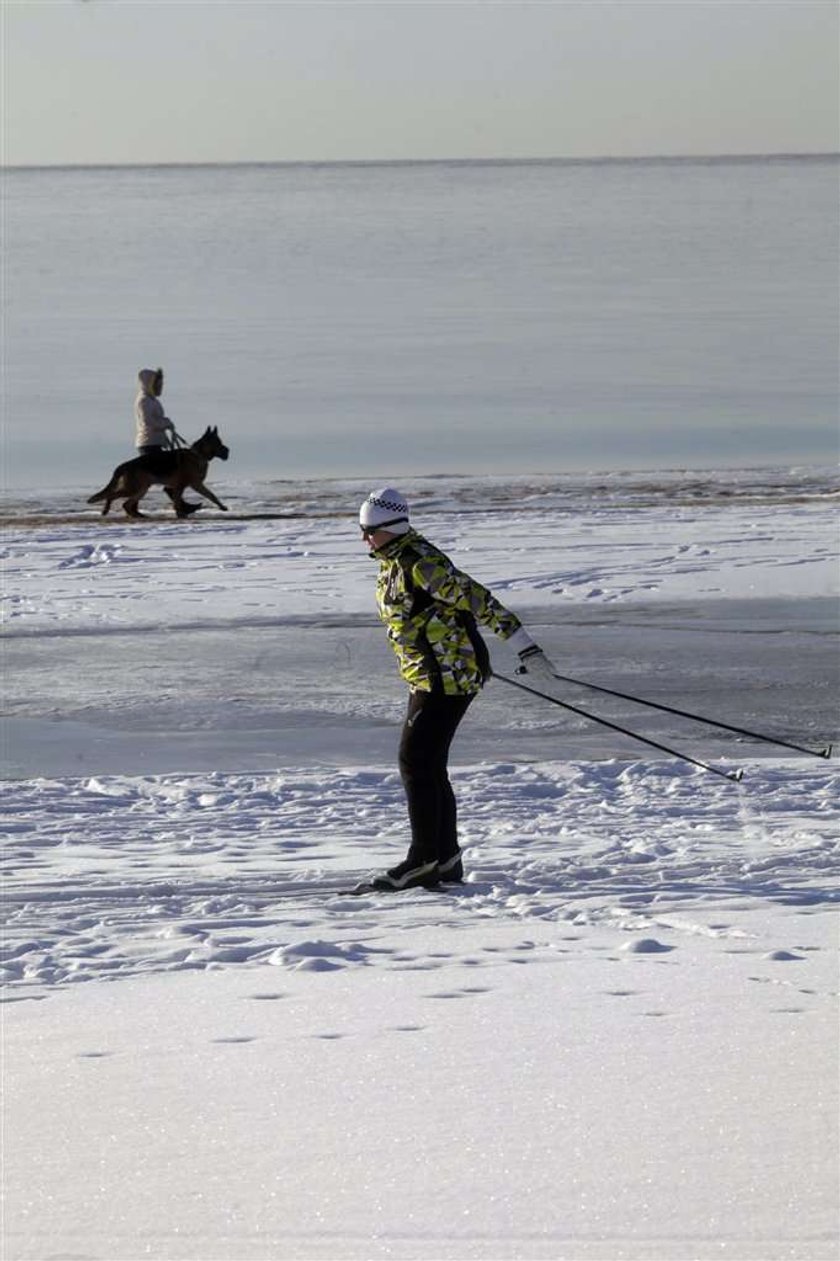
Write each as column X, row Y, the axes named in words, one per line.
column 684, row 713
column 733, row 776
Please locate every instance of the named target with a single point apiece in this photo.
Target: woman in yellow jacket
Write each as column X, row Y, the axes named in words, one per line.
column 431, row 611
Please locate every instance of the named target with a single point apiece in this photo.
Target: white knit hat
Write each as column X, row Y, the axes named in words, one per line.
column 385, row 509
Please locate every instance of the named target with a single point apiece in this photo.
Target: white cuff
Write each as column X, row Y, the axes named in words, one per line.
column 520, row 640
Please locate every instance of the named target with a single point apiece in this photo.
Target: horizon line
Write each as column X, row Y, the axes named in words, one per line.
column 593, row 159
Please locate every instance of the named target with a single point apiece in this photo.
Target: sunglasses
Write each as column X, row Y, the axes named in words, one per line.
column 368, row 530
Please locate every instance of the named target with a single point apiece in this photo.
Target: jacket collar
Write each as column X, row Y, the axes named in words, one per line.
column 395, row 545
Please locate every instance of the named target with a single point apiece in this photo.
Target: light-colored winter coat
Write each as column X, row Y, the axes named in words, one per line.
column 154, row 428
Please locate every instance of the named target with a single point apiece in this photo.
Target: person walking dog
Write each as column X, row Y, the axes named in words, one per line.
column 154, row 431
column 155, row 436
column 431, row 611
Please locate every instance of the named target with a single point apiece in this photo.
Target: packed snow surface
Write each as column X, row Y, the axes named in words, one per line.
column 616, row 1041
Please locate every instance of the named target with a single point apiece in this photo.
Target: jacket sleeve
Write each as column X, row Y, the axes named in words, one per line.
column 156, row 422
column 450, row 586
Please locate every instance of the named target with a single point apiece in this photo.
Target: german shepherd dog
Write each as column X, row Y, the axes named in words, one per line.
column 175, row 471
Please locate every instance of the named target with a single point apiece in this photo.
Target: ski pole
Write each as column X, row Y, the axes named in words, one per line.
column 684, row 713
column 734, row 776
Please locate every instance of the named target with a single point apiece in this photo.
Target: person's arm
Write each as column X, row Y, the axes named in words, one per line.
column 452, row 586
column 158, row 422
column 532, row 659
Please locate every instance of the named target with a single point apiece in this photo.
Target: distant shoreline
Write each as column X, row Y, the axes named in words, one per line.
column 697, row 159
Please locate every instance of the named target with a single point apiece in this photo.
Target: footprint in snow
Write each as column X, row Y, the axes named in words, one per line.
column 466, row 992
column 646, row 946
column 89, row 555
column 317, row 956
column 316, row 965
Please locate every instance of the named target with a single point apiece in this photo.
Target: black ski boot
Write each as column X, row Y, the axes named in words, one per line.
column 408, row 875
column 451, row 869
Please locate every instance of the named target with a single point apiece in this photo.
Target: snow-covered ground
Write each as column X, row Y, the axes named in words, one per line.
column 617, row 1041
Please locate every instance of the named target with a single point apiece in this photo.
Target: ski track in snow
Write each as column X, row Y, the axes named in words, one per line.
column 118, row 876
column 97, row 576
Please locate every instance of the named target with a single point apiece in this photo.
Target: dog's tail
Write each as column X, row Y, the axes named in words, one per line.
column 112, row 489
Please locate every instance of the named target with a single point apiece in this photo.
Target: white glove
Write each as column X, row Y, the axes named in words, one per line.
column 536, row 663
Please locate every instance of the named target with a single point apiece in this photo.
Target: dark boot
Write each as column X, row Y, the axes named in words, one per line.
column 451, row 870
column 408, row 875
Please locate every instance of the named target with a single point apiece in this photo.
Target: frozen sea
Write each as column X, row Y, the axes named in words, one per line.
column 617, row 1042
column 391, row 320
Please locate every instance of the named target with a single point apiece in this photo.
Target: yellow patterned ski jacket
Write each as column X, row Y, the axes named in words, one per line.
column 430, row 609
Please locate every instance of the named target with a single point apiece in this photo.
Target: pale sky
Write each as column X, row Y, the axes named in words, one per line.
column 149, row 81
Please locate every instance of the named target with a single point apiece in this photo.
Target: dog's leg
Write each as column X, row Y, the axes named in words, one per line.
column 176, row 498
column 140, row 486
column 201, row 489
column 182, row 507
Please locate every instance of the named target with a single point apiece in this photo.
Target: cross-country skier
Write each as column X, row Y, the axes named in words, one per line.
column 430, row 609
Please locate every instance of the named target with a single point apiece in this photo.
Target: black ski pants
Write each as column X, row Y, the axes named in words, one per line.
column 430, row 724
